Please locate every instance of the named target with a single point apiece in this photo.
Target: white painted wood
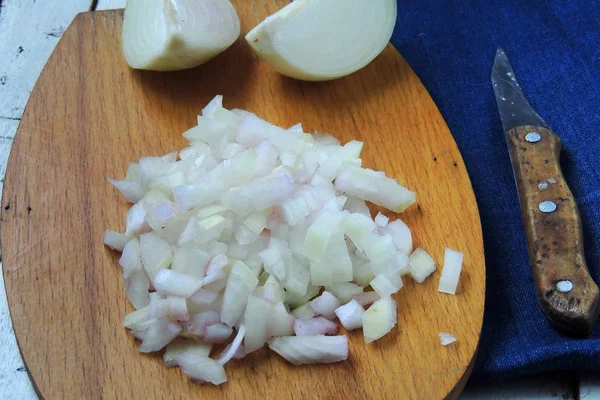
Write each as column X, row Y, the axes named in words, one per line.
column 110, row 4
column 589, row 387
column 36, row 26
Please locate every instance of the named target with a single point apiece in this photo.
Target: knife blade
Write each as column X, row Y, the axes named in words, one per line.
column 566, row 292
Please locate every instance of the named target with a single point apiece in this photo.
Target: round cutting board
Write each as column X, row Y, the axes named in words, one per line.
column 90, row 115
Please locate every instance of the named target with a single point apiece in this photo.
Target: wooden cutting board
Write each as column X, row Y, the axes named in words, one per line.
column 90, row 115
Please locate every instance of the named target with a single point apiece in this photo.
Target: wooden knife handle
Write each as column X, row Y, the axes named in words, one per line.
column 553, row 230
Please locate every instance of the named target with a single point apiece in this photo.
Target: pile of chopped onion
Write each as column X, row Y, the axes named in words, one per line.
column 256, row 235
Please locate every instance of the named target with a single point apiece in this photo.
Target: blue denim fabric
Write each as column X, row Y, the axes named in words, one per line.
column 554, row 47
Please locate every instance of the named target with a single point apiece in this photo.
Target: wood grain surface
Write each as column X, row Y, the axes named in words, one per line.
column 555, row 239
column 89, row 115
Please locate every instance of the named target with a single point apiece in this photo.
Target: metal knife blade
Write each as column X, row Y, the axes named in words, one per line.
column 514, row 108
column 564, row 288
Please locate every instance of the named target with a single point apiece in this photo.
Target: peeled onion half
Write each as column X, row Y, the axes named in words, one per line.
column 319, row 40
column 167, row 35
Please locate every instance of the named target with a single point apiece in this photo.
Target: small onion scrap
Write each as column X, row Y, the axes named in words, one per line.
column 257, row 235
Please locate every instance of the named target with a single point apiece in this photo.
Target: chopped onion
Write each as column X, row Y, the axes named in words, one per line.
column 156, row 253
column 376, row 188
column 217, row 333
column 421, row 265
column 401, row 236
column 446, row 338
column 325, row 305
column 451, row 271
column 173, row 283
column 344, row 291
column 314, row 326
column 131, row 258
column 351, row 315
column 174, row 308
column 191, row 261
column 138, row 320
column 249, row 221
column 381, row 220
column 234, row 347
column 379, row 319
column 202, row 368
column 366, row 298
column 281, row 322
column 256, row 321
column 115, row 240
column 300, row 350
column 159, row 334
column 305, row 311
column 240, row 284
column 137, row 285
column 198, row 323
column 181, row 345
column 386, row 285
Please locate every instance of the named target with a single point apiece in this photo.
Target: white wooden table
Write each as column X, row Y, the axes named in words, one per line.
column 29, row 31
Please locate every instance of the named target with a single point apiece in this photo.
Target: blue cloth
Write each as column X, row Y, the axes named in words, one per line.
column 554, row 47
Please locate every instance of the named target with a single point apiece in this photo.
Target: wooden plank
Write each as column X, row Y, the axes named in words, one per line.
column 87, row 119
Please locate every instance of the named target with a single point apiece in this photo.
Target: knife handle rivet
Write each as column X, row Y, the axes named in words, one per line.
column 547, row 206
column 564, row 286
column 533, row 137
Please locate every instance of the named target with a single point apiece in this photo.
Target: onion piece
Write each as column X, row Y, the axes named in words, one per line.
column 325, row 305
column 191, row 261
column 446, row 338
column 314, row 326
column 281, row 322
column 240, row 284
column 379, row 319
column 256, row 320
column 421, row 265
column 300, row 350
column 233, row 348
column 311, row 40
column 344, row 291
column 131, row 258
column 386, row 285
column 376, row 188
column 217, row 333
column 366, row 298
column 305, row 311
column 173, row 283
column 115, row 240
column 451, row 271
column 156, row 253
column 137, row 286
column 138, row 320
column 202, row 368
column 181, row 345
column 131, row 190
column 197, row 324
column 159, row 334
column 173, row 308
column 351, row 315
column 401, row 236
column 319, row 234
column 171, row 35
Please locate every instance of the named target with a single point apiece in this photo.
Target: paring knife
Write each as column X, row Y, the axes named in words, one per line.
column 565, row 290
